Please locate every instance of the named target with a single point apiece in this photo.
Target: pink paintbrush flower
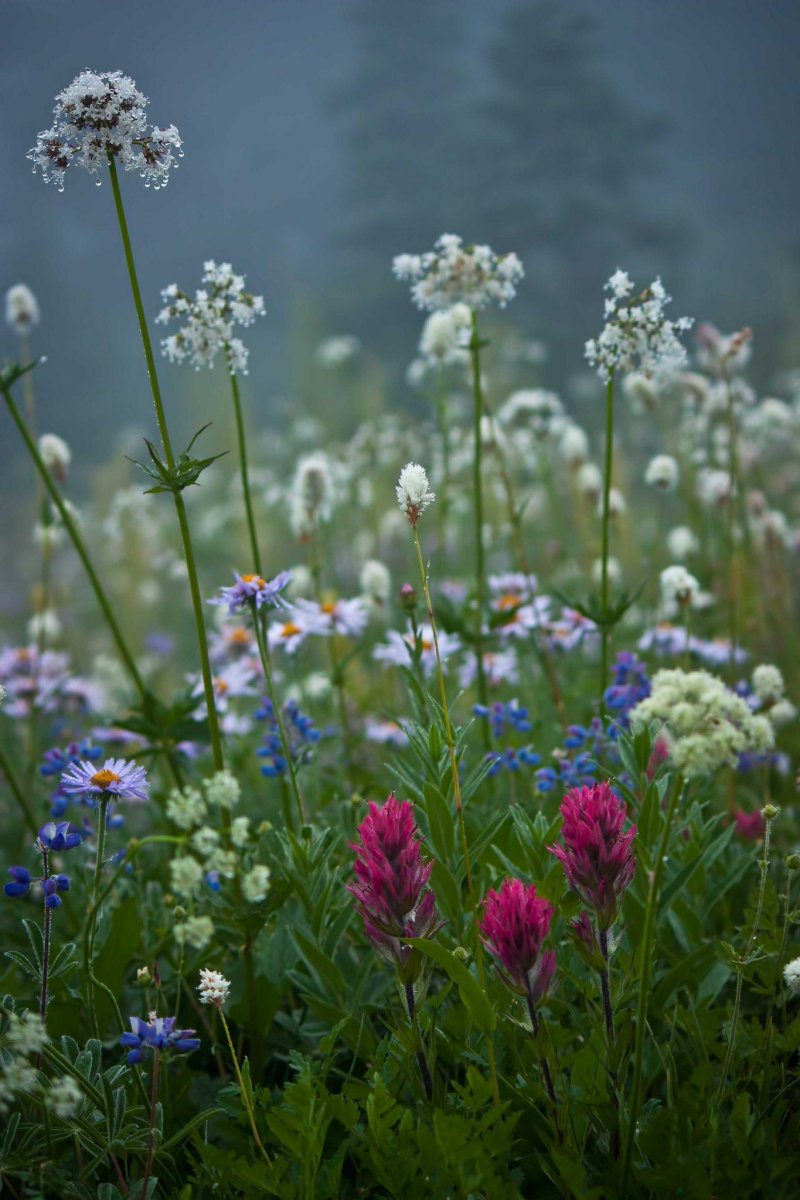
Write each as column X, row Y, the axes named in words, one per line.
column 514, row 925
column 391, row 889
column 596, row 857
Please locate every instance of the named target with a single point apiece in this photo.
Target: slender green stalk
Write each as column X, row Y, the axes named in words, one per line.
column 151, row 1130
column 769, row 1022
column 18, row 793
column 72, row 531
column 643, row 999
column 263, row 650
column 546, row 1076
column 94, row 911
column 609, row 466
column 248, row 502
column 422, row 1061
column 180, row 507
column 477, row 486
column 444, row 435
column 244, row 1091
column 451, row 749
column 47, row 921
column 763, row 866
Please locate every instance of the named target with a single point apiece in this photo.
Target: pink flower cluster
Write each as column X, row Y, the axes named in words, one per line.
column 391, row 889
column 515, row 923
column 596, row 857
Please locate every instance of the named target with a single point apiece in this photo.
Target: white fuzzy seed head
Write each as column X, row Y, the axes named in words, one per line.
column 22, row 309
column 413, row 492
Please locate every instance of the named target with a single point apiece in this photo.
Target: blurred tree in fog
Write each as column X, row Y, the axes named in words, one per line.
column 532, row 148
column 562, row 152
column 404, row 107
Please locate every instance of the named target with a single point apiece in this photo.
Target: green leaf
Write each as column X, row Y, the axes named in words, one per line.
column 472, row 995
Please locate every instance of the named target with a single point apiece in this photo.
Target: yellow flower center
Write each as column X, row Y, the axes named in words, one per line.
column 104, row 778
column 256, row 579
column 221, row 686
column 329, row 607
column 239, row 637
column 290, row 630
column 509, row 600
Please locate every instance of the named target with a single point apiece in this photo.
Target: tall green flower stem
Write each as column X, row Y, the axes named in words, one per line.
column 244, row 1089
column 94, row 911
column 180, row 507
column 645, row 973
column 242, row 441
column 72, row 531
column 151, row 1124
column 451, row 750
column 266, row 663
column 792, row 865
column 735, row 501
column 47, row 922
column 444, row 435
column 475, row 345
column 419, row 1049
column 18, row 792
column 546, row 1075
column 103, row 602
column 337, row 666
column 605, row 629
column 518, row 541
column 769, row 812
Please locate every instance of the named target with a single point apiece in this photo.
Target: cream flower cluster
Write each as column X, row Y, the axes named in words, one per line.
column 102, row 115
column 707, row 726
column 213, row 987
column 637, row 335
column 453, row 273
column 211, row 315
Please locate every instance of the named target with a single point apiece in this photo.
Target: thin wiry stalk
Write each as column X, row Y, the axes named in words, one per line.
column 169, row 457
column 248, row 501
column 451, row 748
column 609, row 466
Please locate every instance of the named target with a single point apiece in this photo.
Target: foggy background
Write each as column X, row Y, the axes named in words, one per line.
column 323, row 136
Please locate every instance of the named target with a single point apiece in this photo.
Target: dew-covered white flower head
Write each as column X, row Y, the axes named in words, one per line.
column 213, row 987
column 56, row 455
column 453, row 273
column 637, row 336
column 311, row 496
column 678, row 586
column 662, row 473
column 22, row 309
column 210, row 319
column 791, row 976
column 102, row 116
column 413, row 492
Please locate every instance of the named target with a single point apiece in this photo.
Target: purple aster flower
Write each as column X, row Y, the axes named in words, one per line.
column 253, row 590
column 116, row 778
column 59, row 835
column 158, row 1033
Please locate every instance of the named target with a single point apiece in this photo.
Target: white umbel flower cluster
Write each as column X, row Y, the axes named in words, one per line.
column 102, row 115
column 791, row 976
column 220, row 305
column 637, row 335
column 413, row 491
column 22, row 309
column 707, row 726
column 453, row 273
column 213, row 988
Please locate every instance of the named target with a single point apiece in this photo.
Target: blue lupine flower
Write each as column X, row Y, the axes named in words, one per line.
column 59, row 835
column 213, row 881
column 159, row 1033
column 501, row 716
column 51, row 887
column 631, row 684
column 21, row 882
column 300, row 731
